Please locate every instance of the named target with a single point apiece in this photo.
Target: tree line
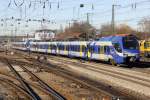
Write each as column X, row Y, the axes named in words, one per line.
column 89, row 32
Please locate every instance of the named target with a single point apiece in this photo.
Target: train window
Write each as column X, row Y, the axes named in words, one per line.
column 106, row 48
column 130, row 43
column 98, row 49
column 70, row 47
column 75, row 48
column 95, row 49
column 78, row 48
column 117, row 47
column 146, row 45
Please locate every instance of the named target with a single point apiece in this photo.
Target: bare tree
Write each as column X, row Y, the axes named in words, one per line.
column 106, row 29
column 124, row 29
column 145, row 24
column 87, row 30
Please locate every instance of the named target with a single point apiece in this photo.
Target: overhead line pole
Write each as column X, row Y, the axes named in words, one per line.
column 113, row 18
column 88, row 17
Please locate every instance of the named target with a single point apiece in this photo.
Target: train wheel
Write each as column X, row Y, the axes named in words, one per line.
column 112, row 62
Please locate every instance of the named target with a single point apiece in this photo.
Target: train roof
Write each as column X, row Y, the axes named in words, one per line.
column 114, row 37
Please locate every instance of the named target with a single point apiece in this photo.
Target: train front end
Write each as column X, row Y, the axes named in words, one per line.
column 131, row 52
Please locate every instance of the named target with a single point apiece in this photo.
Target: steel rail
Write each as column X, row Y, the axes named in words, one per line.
column 44, row 85
column 7, row 81
column 68, row 75
column 34, row 95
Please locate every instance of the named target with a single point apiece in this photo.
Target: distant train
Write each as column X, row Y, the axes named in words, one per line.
column 116, row 49
column 145, row 48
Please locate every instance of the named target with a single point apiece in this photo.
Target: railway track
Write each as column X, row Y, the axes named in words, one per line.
column 74, row 77
column 44, row 85
column 120, row 73
column 123, row 74
column 9, row 79
column 16, row 88
column 27, row 86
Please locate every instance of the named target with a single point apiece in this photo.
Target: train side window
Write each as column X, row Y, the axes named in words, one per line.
column 145, row 45
column 117, row 47
column 78, row 48
column 98, row 49
column 106, row 49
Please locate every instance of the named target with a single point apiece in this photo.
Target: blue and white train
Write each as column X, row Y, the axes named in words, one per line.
column 116, row 49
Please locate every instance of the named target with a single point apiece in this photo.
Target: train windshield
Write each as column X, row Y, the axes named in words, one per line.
column 147, row 44
column 130, row 42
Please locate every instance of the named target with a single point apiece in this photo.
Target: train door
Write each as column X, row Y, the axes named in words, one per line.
column 87, row 51
column 93, row 51
column 107, row 52
column 49, row 47
column 84, row 51
column 81, row 53
column 103, row 56
column 116, row 52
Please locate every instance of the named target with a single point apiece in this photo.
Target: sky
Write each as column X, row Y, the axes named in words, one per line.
column 61, row 13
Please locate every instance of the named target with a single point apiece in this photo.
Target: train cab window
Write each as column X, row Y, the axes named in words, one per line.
column 117, row 47
column 130, row 43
